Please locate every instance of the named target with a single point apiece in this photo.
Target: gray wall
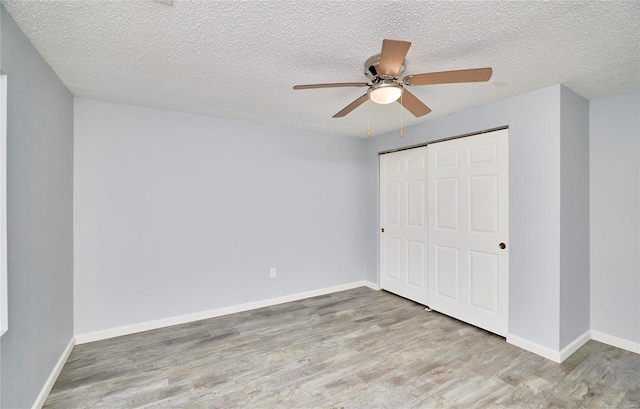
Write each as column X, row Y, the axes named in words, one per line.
column 40, row 216
column 179, row 213
column 534, row 201
column 615, row 216
column 574, row 216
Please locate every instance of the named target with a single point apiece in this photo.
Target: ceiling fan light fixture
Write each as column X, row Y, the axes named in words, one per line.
column 385, row 93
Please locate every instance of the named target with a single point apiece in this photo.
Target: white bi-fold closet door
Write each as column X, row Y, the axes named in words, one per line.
column 444, row 227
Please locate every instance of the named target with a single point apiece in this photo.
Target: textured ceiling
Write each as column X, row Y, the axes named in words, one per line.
column 239, row 60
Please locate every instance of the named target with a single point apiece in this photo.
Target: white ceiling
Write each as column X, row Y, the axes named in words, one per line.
column 239, row 60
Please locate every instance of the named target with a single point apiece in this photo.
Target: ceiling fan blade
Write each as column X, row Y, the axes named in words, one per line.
column 413, row 104
column 392, row 56
column 355, row 104
column 333, row 85
column 449, row 77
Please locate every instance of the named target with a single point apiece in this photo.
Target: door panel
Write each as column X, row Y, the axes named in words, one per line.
column 392, row 253
column 468, row 219
column 416, row 205
column 392, row 203
column 416, row 263
column 447, row 274
column 447, row 159
column 403, row 245
column 483, row 204
column 483, row 268
column 448, row 204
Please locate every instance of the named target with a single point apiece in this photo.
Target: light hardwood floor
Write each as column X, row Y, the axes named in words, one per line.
column 354, row 349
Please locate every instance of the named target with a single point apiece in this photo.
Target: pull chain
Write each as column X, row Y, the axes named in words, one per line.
column 368, row 128
column 401, row 131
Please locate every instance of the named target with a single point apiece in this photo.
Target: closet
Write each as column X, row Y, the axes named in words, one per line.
column 444, row 227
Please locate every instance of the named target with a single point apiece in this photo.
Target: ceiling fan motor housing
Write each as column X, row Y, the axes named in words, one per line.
column 371, row 69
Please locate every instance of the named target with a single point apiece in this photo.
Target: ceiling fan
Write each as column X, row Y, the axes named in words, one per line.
column 383, row 71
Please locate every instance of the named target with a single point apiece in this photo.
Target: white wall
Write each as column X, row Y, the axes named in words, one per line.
column 574, row 215
column 615, row 216
column 534, row 201
column 178, row 213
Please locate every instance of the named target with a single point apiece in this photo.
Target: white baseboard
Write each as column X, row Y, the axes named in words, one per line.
column 575, row 345
column 615, row 341
column 535, row 348
column 182, row 319
column 559, row 356
column 372, row 285
column 48, row 385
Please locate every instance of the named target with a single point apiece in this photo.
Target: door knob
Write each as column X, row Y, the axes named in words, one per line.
column 382, row 230
column 502, row 246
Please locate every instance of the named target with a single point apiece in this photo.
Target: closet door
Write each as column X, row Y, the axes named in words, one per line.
column 469, row 228
column 403, row 222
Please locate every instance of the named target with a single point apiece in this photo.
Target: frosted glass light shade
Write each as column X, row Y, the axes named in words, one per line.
column 385, row 95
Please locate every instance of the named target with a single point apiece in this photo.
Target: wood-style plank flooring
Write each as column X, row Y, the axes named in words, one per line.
column 354, row 349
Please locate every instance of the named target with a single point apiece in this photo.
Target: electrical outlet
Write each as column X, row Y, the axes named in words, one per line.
column 272, row 272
